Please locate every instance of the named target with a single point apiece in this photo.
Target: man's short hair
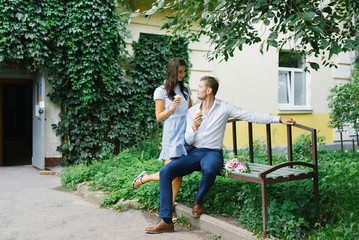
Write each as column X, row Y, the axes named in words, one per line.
column 211, row 82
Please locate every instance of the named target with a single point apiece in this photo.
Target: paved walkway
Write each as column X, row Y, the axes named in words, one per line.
column 36, row 207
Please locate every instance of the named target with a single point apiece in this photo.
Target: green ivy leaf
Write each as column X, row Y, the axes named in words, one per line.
column 314, row 65
column 308, row 16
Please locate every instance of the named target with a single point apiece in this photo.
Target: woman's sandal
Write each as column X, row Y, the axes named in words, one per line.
column 144, row 173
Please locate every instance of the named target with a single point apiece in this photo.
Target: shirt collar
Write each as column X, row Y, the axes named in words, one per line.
column 216, row 102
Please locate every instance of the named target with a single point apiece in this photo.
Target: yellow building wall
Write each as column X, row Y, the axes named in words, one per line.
column 317, row 121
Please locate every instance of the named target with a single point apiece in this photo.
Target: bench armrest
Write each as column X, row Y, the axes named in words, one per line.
column 286, row 164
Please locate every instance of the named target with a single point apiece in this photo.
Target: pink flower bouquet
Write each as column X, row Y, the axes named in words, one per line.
column 235, row 166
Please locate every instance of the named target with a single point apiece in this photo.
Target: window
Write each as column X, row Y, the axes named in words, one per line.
column 292, row 82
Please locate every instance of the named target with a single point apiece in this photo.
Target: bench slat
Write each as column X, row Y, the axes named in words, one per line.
column 285, row 172
column 263, row 167
column 290, row 170
column 286, row 175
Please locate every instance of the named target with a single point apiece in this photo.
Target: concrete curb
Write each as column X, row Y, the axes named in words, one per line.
column 207, row 223
column 84, row 191
column 214, row 225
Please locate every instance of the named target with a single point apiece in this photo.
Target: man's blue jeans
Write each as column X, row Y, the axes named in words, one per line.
column 209, row 160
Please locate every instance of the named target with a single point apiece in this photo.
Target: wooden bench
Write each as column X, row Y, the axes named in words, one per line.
column 266, row 174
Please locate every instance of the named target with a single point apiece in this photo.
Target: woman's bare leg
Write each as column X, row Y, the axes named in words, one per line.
column 148, row 178
column 176, row 183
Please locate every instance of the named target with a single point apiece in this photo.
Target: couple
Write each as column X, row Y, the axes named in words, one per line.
column 204, row 132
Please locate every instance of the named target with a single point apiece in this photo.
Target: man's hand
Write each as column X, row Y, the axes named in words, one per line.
column 287, row 120
column 197, row 122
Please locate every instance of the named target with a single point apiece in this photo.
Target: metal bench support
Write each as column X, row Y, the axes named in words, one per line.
column 284, row 173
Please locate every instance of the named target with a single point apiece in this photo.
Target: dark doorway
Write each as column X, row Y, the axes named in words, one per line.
column 17, row 123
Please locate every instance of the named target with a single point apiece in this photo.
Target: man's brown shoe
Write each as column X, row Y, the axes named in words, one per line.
column 161, row 227
column 197, row 210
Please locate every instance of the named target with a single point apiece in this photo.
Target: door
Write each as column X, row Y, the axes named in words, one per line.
column 38, row 127
column 16, row 98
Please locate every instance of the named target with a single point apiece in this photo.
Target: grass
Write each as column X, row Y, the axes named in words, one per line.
column 292, row 213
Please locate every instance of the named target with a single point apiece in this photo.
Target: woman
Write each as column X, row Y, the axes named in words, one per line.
column 172, row 100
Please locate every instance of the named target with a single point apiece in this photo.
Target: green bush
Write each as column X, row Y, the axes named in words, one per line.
column 303, row 144
column 147, row 70
column 344, row 103
column 74, row 175
column 105, row 94
column 292, row 211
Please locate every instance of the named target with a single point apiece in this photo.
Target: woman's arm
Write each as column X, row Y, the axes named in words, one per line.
column 189, row 102
column 163, row 114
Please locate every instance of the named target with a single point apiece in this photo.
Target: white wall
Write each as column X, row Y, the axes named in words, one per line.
column 249, row 79
column 52, row 112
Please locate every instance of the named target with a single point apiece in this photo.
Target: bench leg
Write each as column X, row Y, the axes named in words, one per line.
column 264, row 208
column 316, row 193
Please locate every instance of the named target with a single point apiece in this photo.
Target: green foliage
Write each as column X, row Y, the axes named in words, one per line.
column 25, row 32
column 114, row 174
column 87, row 81
column 150, row 148
column 302, row 145
column 232, row 24
column 340, row 230
column 147, row 70
column 292, row 211
column 344, row 103
column 287, row 217
column 72, row 176
column 80, row 45
column 282, row 217
column 339, row 189
column 184, row 221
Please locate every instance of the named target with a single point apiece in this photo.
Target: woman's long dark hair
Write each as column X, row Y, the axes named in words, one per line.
column 171, row 80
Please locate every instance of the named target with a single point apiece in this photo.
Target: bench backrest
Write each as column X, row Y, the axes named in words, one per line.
column 269, row 141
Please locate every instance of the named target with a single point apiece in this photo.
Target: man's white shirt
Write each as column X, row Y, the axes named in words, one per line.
column 211, row 131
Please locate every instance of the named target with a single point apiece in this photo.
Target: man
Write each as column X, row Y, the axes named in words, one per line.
column 204, row 133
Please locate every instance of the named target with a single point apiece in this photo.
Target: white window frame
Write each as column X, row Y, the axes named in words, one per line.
column 290, row 107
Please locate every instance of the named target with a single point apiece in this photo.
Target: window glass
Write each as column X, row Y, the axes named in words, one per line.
column 290, row 59
column 299, row 88
column 283, row 94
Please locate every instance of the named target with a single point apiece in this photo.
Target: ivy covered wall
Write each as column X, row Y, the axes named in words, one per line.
column 148, row 71
column 106, row 99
